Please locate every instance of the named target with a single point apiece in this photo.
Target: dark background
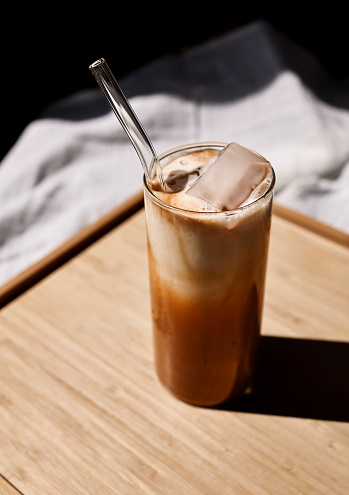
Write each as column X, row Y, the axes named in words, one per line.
column 46, row 52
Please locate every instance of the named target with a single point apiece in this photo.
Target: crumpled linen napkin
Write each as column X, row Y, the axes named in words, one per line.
column 251, row 86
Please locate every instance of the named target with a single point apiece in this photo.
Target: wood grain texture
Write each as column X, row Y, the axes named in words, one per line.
column 6, row 488
column 312, row 224
column 82, row 412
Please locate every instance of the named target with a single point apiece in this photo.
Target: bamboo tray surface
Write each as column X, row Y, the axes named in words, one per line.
column 82, row 412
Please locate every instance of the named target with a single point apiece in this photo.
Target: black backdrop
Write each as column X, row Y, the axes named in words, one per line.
column 46, row 51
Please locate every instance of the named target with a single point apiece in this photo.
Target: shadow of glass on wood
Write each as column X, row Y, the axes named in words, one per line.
column 300, row 378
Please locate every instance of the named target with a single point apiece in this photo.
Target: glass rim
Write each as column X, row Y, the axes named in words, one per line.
column 208, row 144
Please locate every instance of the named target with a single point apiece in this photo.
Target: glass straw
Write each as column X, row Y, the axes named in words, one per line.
column 128, row 119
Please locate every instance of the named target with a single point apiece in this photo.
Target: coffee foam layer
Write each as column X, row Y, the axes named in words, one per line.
column 180, row 174
column 211, row 180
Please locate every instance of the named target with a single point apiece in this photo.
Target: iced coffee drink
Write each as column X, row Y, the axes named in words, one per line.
column 208, row 245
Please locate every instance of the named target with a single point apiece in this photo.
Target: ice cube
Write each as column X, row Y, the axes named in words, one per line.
column 232, row 178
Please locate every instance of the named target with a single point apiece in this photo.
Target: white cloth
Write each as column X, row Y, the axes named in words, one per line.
column 250, row 86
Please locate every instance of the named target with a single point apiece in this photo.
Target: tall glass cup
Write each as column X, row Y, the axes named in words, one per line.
column 207, row 275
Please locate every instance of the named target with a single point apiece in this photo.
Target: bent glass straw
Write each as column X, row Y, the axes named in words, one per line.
column 127, row 118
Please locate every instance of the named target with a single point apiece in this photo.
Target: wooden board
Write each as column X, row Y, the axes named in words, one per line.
column 82, row 412
column 6, row 488
column 87, row 236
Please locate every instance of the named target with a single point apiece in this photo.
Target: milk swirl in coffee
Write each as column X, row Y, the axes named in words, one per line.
column 207, row 271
